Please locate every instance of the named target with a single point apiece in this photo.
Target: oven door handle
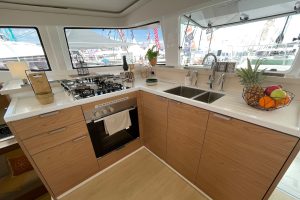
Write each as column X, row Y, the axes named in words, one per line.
column 98, row 120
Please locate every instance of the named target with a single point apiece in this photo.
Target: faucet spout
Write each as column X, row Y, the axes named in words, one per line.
column 213, row 67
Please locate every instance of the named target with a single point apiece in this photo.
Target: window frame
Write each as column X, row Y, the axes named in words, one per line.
column 270, row 73
column 130, row 27
column 41, row 41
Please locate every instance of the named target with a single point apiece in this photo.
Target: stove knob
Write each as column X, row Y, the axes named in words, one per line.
column 97, row 114
column 111, row 109
column 104, row 111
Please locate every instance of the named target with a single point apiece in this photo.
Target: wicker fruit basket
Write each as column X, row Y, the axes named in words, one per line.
column 278, row 103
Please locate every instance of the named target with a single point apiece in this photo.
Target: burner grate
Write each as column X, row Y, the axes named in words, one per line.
column 92, row 86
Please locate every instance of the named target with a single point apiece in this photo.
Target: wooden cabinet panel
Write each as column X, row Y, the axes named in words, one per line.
column 68, row 164
column 240, row 160
column 53, row 138
column 186, row 129
column 154, row 102
column 155, row 123
column 4, row 102
column 30, row 127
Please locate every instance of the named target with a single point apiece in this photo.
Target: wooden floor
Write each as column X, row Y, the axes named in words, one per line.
column 141, row 176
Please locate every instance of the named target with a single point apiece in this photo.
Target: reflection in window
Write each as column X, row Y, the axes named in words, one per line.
column 22, row 44
column 255, row 40
column 106, row 47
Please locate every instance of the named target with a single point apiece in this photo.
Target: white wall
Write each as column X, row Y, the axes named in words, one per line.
column 18, row 17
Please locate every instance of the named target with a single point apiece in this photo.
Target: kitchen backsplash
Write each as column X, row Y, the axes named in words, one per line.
column 231, row 84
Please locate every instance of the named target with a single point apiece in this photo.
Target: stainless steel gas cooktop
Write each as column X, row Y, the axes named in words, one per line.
column 81, row 88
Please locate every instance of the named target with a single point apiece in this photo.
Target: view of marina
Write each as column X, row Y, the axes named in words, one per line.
column 236, row 43
column 106, row 47
column 93, row 47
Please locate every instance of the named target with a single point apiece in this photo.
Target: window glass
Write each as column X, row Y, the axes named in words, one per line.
column 22, row 44
column 231, row 11
column 106, row 47
column 254, row 40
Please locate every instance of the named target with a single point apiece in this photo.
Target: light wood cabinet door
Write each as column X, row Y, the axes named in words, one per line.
column 68, row 164
column 240, row 160
column 186, row 129
column 155, row 123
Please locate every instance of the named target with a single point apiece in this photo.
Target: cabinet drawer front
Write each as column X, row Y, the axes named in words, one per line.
column 68, row 164
column 30, row 127
column 53, row 138
column 152, row 101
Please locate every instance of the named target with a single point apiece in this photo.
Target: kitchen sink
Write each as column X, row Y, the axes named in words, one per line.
column 185, row 91
column 209, row 97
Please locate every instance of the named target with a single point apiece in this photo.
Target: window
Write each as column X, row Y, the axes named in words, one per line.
column 235, row 43
column 99, row 47
column 22, row 44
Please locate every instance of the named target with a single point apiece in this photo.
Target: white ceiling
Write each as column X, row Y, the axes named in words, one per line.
column 108, row 6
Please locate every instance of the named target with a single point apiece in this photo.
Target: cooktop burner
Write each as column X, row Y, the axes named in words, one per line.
column 93, row 86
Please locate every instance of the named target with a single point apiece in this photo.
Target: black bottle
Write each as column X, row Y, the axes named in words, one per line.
column 125, row 65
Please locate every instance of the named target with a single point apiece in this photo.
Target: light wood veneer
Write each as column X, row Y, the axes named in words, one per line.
column 241, row 160
column 68, row 164
column 185, row 135
column 33, row 126
column 154, row 116
column 225, row 157
column 140, row 177
column 53, row 138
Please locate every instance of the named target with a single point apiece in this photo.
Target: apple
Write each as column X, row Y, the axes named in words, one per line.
column 271, row 88
column 278, row 94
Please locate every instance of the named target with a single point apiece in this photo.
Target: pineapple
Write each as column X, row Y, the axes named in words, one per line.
column 251, row 79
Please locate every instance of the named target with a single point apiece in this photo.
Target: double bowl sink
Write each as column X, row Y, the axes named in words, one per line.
column 195, row 94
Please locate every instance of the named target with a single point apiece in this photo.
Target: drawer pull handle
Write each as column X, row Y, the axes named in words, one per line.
column 49, row 114
column 222, row 117
column 57, row 130
column 80, row 138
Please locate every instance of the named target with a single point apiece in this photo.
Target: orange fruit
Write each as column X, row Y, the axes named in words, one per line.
column 267, row 102
column 280, row 102
column 283, row 101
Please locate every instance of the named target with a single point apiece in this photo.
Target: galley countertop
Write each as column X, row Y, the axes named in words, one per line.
column 286, row 120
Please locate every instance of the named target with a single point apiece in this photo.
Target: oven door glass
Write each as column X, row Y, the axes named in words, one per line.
column 104, row 143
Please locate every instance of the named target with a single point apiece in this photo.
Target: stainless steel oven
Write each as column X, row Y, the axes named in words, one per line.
column 104, row 143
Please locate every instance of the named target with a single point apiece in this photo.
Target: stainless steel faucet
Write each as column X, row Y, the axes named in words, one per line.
column 221, row 81
column 213, row 66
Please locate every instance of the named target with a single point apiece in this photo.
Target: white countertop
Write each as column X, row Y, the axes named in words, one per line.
column 286, row 120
